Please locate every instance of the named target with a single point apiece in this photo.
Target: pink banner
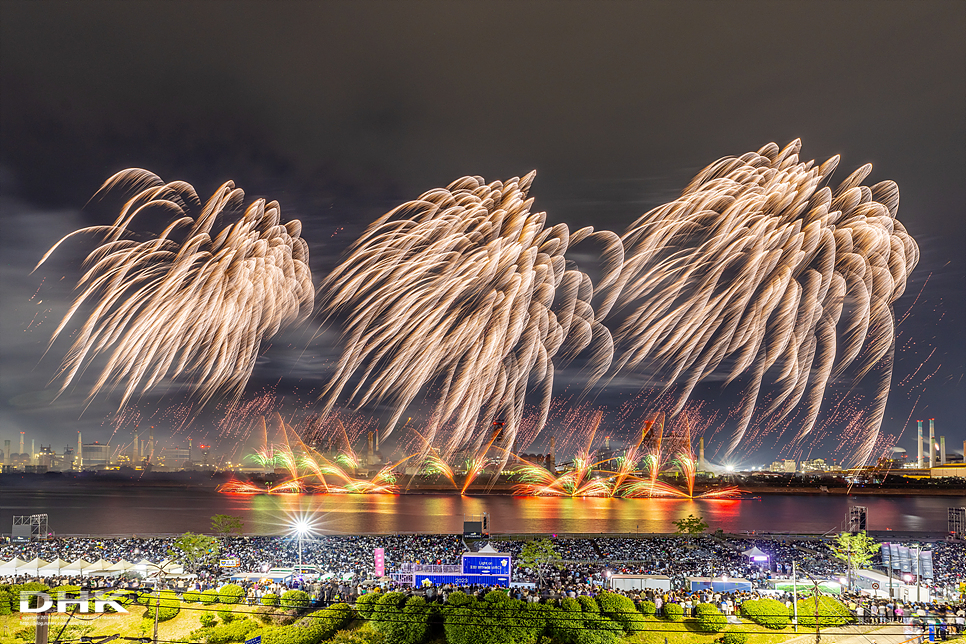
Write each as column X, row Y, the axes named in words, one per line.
column 380, row 554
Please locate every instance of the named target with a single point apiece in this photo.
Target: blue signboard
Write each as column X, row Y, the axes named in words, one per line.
column 486, row 564
column 886, row 552
column 441, row 579
column 255, row 640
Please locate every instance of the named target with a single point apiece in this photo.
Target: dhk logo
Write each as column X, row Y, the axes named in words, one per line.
column 80, row 599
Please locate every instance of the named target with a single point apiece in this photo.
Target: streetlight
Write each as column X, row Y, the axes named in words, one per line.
column 301, row 528
column 301, row 525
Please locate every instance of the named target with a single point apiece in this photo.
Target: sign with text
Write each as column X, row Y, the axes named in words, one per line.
column 380, row 560
column 231, row 562
column 498, row 564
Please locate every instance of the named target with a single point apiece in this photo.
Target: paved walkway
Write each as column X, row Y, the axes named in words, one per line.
column 890, row 634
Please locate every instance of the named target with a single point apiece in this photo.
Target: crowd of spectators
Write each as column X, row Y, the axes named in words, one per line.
column 584, row 562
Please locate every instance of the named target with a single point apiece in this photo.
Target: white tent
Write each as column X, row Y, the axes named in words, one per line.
column 756, row 555
column 121, row 566
column 99, row 566
column 143, row 566
column 32, row 567
column 10, row 567
column 54, row 567
column 76, row 568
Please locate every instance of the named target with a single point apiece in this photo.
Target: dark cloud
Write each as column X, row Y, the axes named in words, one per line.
column 340, row 110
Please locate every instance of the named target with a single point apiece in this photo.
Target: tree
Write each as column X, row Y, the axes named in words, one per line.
column 195, row 551
column 226, row 524
column 691, row 525
column 855, row 550
column 537, row 554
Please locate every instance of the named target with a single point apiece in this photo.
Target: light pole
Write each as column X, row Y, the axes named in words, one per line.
column 301, row 526
column 918, row 556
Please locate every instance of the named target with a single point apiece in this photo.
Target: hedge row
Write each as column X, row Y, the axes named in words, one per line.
column 831, row 612
column 710, row 619
column 766, row 612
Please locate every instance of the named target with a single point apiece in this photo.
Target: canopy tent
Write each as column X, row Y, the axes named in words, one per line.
column 121, row 566
column 101, row 565
column 75, row 568
column 756, row 555
column 54, row 567
column 10, row 567
column 31, row 567
column 142, row 566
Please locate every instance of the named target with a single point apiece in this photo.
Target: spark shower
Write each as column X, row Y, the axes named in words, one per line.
column 758, row 273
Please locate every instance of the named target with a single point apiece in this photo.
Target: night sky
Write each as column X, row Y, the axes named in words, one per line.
column 342, row 110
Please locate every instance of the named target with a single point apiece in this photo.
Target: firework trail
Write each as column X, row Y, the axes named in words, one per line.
column 198, row 308
column 467, row 287
column 756, row 272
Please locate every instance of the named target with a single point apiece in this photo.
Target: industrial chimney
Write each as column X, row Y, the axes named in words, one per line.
column 701, row 467
column 932, row 442
column 942, row 450
column 919, row 445
column 80, row 453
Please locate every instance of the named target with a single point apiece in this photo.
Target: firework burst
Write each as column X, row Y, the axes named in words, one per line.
column 753, row 270
column 199, row 308
column 468, row 288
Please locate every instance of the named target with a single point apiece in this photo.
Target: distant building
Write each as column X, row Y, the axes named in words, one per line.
column 95, row 454
column 789, row 466
column 949, row 470
column 814, row 465
column 177, row 457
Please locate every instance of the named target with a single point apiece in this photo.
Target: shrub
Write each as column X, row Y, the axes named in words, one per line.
column 588, row 605
column 411, row 626
column 237, row 631
column 314, row 628
column 831, row 612
column 458, row 598
column 366, row 604
column 673, row 612
column 647, row 607
column 231, row 594
column 191, row 597
column 734, row 638
column 226, row 616
column 269, row 599
column 31, row 586
column 207, row 619
column 168, row 608
column 570, row 604
column 4, row 601
column 364, row 635
column 294, row 599
column 621, row 609
column 767, row 612
column 496, row 596
column 598, row 629
column 710, row 619
column 209, row 597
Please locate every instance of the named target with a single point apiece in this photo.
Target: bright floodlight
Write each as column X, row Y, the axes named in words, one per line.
column 730, row 468
column 842, row 580
column 907, row 578
column 301, row 527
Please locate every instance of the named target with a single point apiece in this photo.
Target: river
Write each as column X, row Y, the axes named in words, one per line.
column 148, row 510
